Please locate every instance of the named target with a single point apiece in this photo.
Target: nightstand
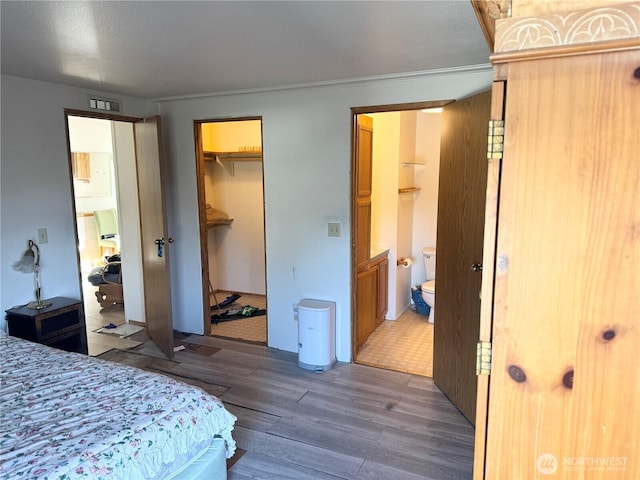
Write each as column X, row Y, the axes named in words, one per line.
column 61, row 325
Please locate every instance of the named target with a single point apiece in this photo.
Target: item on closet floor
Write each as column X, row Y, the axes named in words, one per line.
column 244, row 312
column 229, row 300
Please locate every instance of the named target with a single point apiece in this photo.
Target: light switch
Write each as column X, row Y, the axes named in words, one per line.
column 42, row 235
column 334, row 229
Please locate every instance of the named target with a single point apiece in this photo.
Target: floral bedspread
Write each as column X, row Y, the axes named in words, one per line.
column 66, row 416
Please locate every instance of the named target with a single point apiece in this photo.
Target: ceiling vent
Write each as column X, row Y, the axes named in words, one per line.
column 104, row 104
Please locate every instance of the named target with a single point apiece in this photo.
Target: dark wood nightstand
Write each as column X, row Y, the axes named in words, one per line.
column 61, row 325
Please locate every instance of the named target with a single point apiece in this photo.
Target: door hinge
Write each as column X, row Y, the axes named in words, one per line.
column 496, row 139
column 483, row 358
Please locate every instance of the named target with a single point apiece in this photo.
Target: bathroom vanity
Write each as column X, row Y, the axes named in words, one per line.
column 372, row 295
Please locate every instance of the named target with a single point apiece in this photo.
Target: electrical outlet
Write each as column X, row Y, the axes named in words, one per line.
column 334, row 229
column 42, row 235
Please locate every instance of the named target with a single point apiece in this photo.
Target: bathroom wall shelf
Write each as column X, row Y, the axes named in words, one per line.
column 409, row 189
column 404, row 164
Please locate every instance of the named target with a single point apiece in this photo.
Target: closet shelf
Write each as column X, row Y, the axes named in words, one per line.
column 221, row 157
column 235, row 156
column 219, row 223
column 409, row 189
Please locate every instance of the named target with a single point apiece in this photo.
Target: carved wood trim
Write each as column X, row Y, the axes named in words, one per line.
column 488, row 11
column 563, row 51
column 592, row 26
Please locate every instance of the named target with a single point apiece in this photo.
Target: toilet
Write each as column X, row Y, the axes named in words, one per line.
column 429, row 286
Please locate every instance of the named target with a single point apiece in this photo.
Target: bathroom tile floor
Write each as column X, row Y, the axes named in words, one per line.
column 402, row 345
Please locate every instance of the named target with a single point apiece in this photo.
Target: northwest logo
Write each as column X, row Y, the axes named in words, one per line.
column 547, row 464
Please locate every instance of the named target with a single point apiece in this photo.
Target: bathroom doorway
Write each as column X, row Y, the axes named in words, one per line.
column 459, row 233
column 395, row 218
column 232, row 233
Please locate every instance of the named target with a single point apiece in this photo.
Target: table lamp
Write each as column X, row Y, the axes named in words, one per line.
column 30, row 263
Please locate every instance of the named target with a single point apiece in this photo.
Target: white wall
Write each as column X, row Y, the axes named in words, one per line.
column 384, row 196
column 426, row 202
column 307, row 161
column 406, row 222
column 129, row 219
column 406, row 209
column 35, row 185
column 236, row 252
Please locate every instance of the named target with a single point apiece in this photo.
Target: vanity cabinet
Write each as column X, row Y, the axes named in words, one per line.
column 371, row 297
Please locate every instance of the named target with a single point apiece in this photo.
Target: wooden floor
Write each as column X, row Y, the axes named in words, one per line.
column 351, row 422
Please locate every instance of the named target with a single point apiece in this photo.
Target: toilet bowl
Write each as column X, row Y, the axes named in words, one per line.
column 429, row 286
column 429, row 296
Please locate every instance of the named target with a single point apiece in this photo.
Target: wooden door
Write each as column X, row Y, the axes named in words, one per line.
column 364, row 279
column 565, row 377
column 153, row 230
column 488, row 269
column 461, row 208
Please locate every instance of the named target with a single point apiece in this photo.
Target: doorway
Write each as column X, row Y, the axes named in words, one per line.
column 232, row 234
column 102, row 156
column 460, row 200
column 401, row 221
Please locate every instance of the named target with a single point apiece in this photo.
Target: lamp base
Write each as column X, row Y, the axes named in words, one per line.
column 38, row 305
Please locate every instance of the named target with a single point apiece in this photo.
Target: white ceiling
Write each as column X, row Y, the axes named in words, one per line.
column 156, row 49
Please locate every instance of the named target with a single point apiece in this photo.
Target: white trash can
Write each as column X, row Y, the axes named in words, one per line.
column 316, row 335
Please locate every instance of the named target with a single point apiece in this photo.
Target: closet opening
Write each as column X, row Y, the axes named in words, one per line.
column 229, row 167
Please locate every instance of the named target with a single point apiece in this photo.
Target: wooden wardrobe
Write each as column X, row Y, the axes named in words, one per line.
column 559, row 379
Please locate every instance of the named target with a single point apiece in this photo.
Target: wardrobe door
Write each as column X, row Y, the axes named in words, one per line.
column 565, row 376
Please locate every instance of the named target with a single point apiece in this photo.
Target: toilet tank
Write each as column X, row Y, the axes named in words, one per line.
column 429, row 257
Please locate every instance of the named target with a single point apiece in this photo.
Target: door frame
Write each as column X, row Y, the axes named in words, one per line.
column 202, row 213
column 355, row 111
column 69, row 112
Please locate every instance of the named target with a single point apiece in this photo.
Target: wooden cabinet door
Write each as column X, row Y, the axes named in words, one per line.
column 366, row 305
column 365, row 278
column 565, row 378
column 363, row 183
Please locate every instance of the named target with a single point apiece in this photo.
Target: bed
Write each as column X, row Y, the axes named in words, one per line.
column 66, row 416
